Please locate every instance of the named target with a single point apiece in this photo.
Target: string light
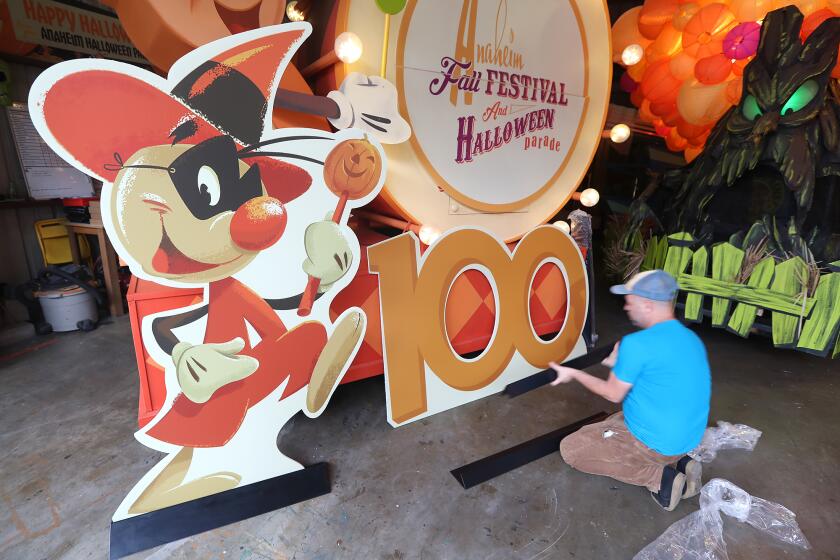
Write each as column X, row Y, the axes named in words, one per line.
column 293, row 12
column 348, row 47
column 428, row 235
column 620, row 133
column 589, row 197
column 632, row 54
column 561, row 224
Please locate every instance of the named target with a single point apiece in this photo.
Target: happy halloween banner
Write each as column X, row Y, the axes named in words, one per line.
column 53, row 24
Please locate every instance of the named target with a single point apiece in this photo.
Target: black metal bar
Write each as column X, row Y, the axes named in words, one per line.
column 190, row 518
column 306, row 103
column 519, row 455
column 548, row 375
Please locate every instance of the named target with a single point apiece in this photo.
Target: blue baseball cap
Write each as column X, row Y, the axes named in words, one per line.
column 657, row 285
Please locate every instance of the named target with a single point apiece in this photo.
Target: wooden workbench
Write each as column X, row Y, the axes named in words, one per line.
column 109, row 261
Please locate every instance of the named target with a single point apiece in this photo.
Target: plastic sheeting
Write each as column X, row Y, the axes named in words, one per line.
column 725, row 436
column 699, row 536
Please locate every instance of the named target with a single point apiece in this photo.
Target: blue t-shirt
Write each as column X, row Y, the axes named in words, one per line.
column 667, row 408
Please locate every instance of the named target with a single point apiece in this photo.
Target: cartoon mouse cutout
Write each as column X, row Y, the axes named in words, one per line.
column 199, row 190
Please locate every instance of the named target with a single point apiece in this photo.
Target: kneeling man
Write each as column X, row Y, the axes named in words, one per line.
column 661, row 375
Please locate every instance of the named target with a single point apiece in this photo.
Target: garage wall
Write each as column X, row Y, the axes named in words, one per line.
column 20, row 255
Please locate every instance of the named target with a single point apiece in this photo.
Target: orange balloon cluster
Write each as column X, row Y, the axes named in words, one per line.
column 686, row 78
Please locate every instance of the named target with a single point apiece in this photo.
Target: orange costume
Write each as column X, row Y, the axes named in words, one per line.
column 281, row 353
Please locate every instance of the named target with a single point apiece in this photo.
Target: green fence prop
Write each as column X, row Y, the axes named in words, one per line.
column 679, row 254
column 787, row 281
column 726, row 264
column 775, row 287
column 790, row 307
column 694, row 301
column 744, row 314
column 822, row 327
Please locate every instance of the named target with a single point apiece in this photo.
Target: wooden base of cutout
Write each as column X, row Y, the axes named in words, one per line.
column 518, row 455
column 183, row 520
column 546, row 376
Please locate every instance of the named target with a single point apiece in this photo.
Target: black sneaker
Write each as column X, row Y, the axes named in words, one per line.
column 693, row 472
column 670, row 489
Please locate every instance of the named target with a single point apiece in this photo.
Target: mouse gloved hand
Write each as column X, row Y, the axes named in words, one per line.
column 328, row 253
column 369, row 103
column 205, row 368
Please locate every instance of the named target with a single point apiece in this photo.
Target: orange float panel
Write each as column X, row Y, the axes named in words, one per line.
column 147, row 298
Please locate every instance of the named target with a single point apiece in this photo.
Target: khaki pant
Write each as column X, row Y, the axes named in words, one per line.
column 620, row 456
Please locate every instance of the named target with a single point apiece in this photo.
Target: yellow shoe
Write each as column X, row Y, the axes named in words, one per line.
column 169, row 489
column 199, row 488
column 335, row 355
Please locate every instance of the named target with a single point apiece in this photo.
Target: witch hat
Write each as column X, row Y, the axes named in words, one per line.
column 93, row 111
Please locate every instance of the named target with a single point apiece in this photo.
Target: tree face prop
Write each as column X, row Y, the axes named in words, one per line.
column 787, row 118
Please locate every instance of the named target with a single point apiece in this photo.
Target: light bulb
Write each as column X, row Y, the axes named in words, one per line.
column 348, row 47
column 428, row 235
column 293, row 13
column 620, row 133
column 589, row 197
column 632, row 54
column 563, row 225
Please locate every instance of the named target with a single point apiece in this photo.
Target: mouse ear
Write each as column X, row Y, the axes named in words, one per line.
column 88, row 112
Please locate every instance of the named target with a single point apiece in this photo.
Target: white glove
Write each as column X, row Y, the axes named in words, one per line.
column 369, row 103
column 328, row 252
column 205, row 368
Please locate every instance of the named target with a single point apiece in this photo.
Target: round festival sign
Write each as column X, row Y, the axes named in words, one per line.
column 506, row 101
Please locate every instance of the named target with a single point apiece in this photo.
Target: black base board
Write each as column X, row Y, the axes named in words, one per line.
column 519, row 455
column 546, row 376
column 190, row 518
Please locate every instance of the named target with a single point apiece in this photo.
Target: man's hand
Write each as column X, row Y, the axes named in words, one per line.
column 328, row 252
column 205, row 368
column 610, row 360
column 612, row 389
column 564, row 374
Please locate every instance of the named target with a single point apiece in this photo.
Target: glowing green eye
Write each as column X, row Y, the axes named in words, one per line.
column 751, row 110
column 801, row 97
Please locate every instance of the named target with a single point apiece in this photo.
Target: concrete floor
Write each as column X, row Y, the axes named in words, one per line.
column 68, row 411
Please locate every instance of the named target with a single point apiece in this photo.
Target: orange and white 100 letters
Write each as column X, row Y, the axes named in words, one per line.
column 423, row 373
